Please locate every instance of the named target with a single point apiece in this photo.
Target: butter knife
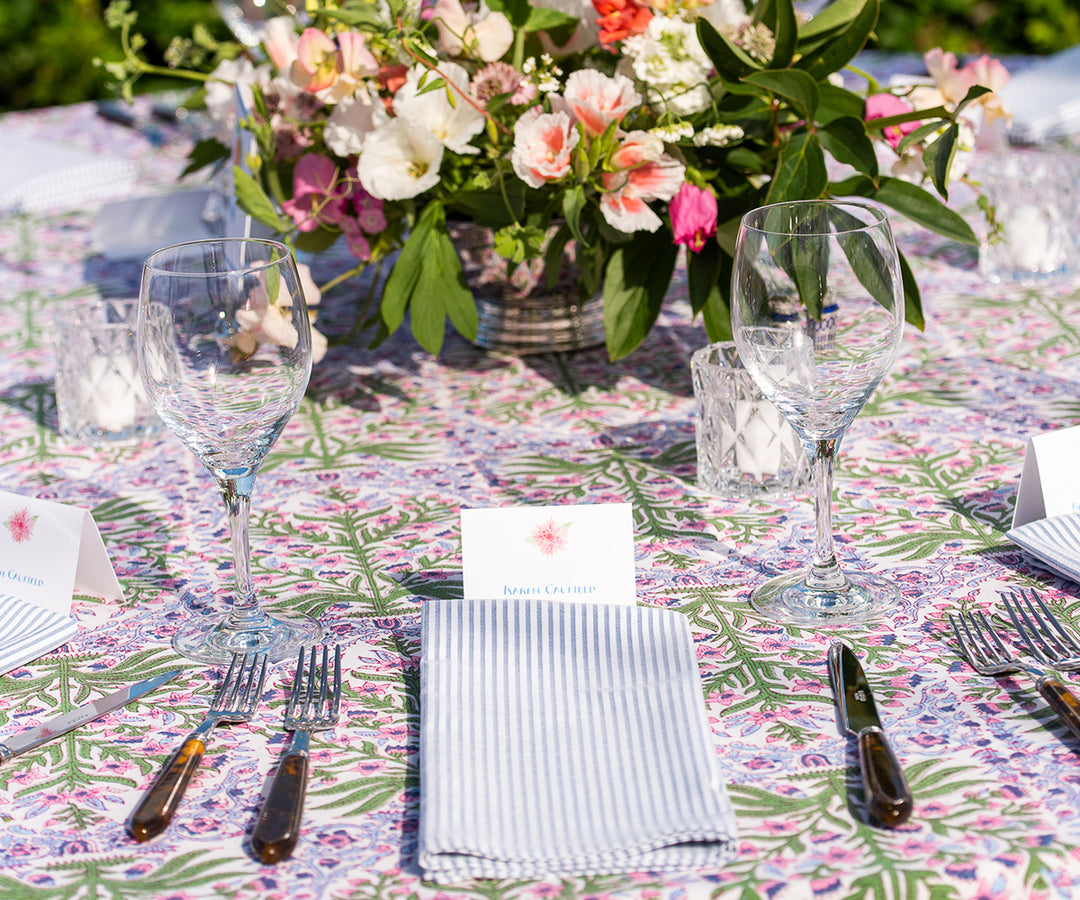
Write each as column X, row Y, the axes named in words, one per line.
column 29, row 738
column 888, row 796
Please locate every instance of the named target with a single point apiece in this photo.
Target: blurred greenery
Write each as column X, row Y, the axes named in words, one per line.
column 48, row 45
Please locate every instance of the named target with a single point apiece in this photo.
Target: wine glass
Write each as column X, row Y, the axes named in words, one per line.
column 224, row 350
column 817, row 312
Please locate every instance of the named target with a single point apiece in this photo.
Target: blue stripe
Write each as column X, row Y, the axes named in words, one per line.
column 27, row 631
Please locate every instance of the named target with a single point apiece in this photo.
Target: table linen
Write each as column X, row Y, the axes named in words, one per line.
column 356, row 521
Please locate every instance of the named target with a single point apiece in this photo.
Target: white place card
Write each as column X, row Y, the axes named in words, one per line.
column 569, row 553
column 48, row 551
column 1050, row 479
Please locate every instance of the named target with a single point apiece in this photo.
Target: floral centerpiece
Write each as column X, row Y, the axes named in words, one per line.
column 630, row 129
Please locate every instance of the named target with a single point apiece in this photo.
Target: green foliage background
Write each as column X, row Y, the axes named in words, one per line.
column 48, row 45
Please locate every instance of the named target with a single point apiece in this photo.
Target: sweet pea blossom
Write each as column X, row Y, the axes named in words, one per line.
column 316, row 65
column 992, row 74
column 481, row 34
column 452, row 124
column 400, row 160
column 318, row 193
column 883, row 106
column 597, row 100
column 644, row 173
column 954, row 83
column 279, row 39
column 693, row 216
column 542, row 146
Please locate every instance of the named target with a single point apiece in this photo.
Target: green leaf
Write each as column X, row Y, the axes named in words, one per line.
column 709, row 281
column 913, row 313
column 636, row 280
column 838, row 51
column 573, row 204
column 867, row 260
column 793, row 85
column 833, row 18
column 847, row 141
column 938, row 158
column 316, row 241
column 548, row 19
column 427, row 281
column 836, row 102
column 916, row 203
column 800, row 171
column 364, row 16
column 786, row 32
column 731, row 62
column 205, row 153
column 252, row 199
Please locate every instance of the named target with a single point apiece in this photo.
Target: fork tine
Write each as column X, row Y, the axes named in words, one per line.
column 1062, row 638
column 323, row 686
column 298, row 678
column 228, row 684
column 335, row 705
column 1030, row 633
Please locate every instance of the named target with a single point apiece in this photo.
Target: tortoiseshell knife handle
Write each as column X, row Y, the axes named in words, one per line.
column 888, row 796
column 1062, row 700
column 159, row 803
column 278, row 828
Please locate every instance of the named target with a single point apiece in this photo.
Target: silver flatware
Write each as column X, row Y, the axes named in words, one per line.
column 1040, row 630
column 888, row 796
column 235, row 702
column 314, row 705
column 29, row 738
column 988, row 655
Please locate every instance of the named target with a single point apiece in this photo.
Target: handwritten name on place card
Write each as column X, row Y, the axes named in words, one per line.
column 583, row 553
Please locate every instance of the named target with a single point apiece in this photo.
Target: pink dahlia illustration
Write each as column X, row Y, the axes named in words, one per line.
column 21, row 525
column 550, row 538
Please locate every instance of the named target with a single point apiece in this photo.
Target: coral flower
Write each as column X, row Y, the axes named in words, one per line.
column 316, row 67
column 542, row 146
column 644, row 173
column 619, row 19
column 693, row 216
column 597, row 100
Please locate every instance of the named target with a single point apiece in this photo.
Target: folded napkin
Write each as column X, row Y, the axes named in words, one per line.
column 1044, row 98
column 41, row 176
column 1054, row 541
column 28, row 631
column 561, row 739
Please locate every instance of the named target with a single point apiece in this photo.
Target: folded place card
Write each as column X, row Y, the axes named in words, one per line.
column 572, row 553
column 133, row 229
column 561, row 739
column 47, row 552
column 1050, row 479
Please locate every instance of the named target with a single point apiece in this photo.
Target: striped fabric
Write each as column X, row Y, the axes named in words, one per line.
column 28, row 631
column 561, row 739
column 1055, row 542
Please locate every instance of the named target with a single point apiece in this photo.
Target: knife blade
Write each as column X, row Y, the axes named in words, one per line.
column 888, row 796
column 29, row 738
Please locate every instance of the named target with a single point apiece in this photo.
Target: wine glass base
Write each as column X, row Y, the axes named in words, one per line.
column 280, row 638
column 789, row 599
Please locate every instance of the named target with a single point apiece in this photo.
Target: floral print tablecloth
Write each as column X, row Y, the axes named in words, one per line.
column 356, row 521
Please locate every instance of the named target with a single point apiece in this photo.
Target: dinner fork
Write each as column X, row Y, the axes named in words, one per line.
column 235, row 701
column 1040, row 630
column 278, row 826
column 989, row 656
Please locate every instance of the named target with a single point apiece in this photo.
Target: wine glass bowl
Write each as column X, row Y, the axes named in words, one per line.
column 224, row 348
column 817, row 307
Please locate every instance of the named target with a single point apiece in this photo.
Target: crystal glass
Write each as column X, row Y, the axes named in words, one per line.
column 817, row 312
column 224, row 349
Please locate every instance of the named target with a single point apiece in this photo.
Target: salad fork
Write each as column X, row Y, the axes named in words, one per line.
column 987, row 655
column 1040, row 630
column 278, row 826
column 235, row 701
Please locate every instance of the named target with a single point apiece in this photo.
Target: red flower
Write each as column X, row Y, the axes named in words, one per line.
column 620, row 19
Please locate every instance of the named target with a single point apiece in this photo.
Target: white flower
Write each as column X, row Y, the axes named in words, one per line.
column 485, row 35
column 453, row 125
column 673, row 132
column 724, row 13
column 352, row 120
column 400, row 160
column 718, row 136
column 670, row 61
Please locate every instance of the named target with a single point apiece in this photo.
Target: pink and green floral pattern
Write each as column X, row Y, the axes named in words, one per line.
column 356, row 521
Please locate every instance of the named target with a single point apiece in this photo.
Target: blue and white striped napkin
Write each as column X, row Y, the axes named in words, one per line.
column 1054, row 541
column 564, row 739
column 28, row 631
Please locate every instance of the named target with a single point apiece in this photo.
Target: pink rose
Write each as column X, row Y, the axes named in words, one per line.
column 542, row 146
column 693, row 216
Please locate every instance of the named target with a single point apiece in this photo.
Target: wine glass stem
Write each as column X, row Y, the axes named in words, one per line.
column 824, row 571
column 245, row 613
